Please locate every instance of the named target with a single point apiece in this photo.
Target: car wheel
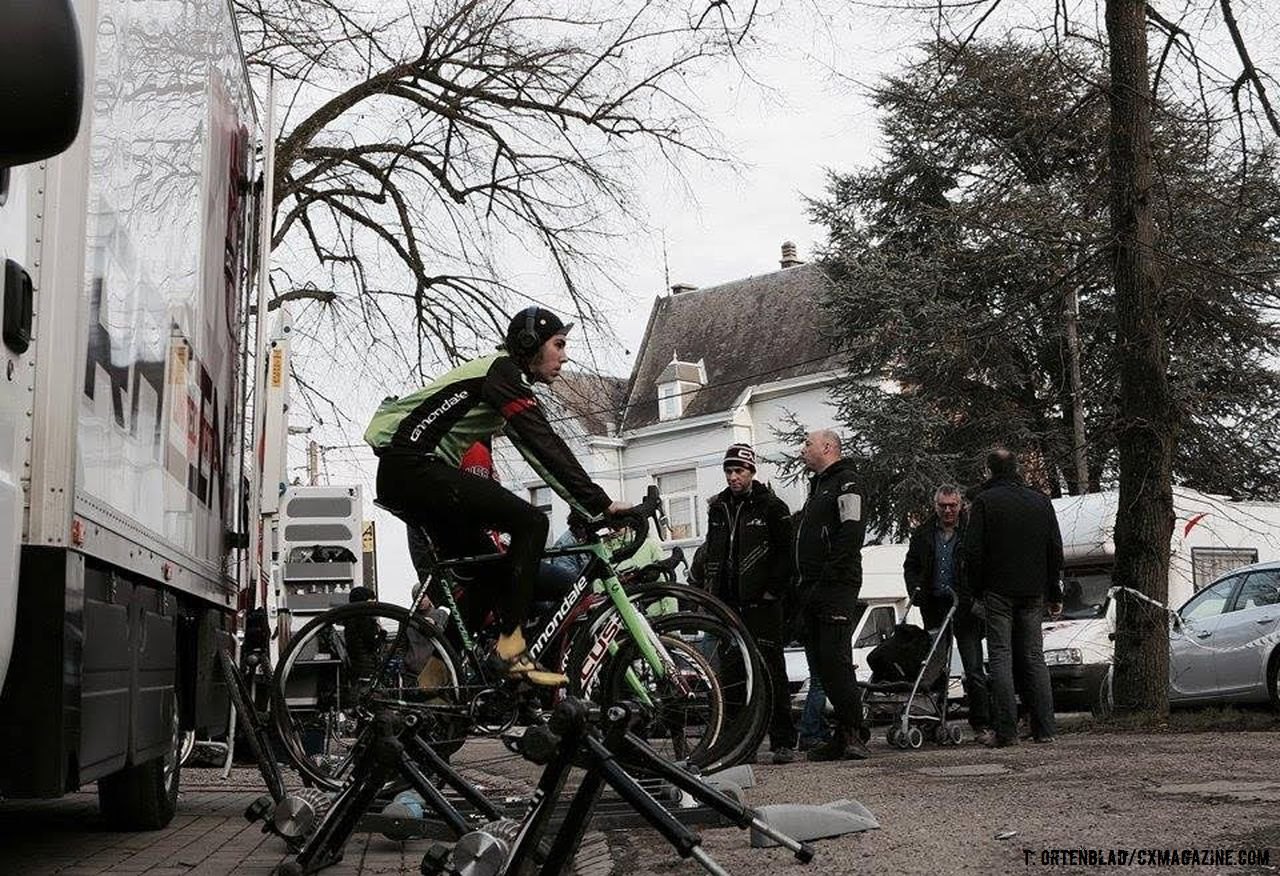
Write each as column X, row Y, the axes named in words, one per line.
column 1273, row 679
column 1103, row 705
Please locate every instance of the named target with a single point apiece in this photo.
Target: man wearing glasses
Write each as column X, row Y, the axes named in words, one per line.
column 933, row 571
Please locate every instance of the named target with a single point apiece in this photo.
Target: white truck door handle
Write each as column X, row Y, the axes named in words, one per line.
column 1206, row 634
column 1266, row 620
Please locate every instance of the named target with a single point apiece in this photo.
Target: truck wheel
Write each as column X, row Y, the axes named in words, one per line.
column 144, row 796
column 188, row 746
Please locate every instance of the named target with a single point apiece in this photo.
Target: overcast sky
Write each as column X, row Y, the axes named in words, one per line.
column 806, row 112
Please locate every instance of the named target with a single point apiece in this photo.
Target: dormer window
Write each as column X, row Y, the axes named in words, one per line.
column 678, row 384
column 669, row 401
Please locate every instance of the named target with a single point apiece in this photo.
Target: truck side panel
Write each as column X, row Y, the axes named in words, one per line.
column 94, row 681
column 40, row 704
column 155, row 394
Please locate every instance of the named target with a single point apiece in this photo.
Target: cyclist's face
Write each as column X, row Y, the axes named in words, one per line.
column 738, row 478
column 550, row 358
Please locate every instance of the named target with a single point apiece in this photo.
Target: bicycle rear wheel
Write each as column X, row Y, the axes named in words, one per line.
column 719, row 722
column 348, row 663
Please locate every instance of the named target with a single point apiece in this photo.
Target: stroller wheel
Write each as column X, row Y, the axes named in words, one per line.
column 915, row 738
column 891, row 735
column 956, row 734
column 942, row 734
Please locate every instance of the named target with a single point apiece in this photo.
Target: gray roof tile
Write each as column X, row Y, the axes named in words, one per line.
column 594, row 400
column 748, row 332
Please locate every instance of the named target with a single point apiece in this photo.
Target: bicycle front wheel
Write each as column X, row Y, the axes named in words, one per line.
column 706, row 716
column 351, row 662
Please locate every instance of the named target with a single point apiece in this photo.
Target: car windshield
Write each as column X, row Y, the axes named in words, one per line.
column 1084, row 593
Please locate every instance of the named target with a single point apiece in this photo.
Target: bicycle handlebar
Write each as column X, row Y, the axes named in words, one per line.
column 635, row 519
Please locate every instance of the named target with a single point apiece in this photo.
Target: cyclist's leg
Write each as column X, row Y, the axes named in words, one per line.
column 456, row 501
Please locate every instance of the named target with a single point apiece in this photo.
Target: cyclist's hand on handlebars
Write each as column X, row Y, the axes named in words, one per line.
column 618, row 508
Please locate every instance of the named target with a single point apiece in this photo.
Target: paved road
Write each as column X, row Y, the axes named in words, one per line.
column 941, row 811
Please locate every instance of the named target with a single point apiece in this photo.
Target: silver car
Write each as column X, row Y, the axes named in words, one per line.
column 1225, row 644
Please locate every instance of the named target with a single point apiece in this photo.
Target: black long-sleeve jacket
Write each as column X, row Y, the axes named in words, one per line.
column 748, row 546
column 918, row 569
column 829, row 535
column 1013, row 545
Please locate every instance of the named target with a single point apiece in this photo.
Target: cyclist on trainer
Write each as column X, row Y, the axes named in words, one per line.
column 420, row 438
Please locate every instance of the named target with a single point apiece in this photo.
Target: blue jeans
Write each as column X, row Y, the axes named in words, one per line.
column 812, row 725
column 969, row 633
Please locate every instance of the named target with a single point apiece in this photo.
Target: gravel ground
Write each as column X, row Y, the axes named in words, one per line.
column 965, row 809
column 1122, row 791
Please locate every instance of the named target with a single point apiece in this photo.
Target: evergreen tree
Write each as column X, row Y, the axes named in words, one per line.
column 959, row 260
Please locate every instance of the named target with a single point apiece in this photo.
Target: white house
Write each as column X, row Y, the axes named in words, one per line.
column 717, row 365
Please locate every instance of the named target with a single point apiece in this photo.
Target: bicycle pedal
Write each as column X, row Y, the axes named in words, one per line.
column 435, row 861
column 260, row 809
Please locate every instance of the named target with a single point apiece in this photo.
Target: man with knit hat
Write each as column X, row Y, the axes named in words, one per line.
column 747, row 563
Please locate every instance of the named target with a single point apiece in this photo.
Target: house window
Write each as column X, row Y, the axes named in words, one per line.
column 1210, row 564
column 669, row 401
column 679, row 491
column 540, row 498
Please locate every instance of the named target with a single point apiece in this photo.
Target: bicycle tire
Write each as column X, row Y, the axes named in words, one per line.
column 664, row 715
column 747, row 726
column 750, row 725
column 744, row 724
column 576, row 662
column 324, row 682
column 251, row 722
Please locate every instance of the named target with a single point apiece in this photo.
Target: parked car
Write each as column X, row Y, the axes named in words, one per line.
column 1224, row 645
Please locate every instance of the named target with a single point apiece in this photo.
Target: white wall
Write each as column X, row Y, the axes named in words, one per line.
column 697, row 443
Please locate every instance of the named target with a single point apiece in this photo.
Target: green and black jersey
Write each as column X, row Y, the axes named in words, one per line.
column 474, row 402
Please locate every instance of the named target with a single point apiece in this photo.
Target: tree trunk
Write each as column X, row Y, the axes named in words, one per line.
column 1147, row 427
column 1079, row 447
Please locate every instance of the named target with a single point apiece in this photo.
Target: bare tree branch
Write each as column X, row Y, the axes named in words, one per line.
column 1249, row 73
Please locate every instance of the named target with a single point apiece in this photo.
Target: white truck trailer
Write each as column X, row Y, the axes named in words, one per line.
column 126, row 260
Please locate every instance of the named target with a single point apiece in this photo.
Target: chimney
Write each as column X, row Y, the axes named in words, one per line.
column 680, row 288
column 789, row 259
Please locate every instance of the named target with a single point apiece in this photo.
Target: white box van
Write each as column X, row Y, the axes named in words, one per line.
column 1212, row 535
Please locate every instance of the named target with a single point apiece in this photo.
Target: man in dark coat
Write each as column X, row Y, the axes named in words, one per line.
column 1013, row 555
column 935, row 576
column 829, row 538
column 747, row 563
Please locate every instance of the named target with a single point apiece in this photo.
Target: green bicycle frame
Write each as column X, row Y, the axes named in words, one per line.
column 652, row 649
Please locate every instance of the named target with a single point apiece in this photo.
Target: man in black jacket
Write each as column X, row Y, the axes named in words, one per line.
column 829, row 538
column 747, row 563
column 935, row 575
column 1013, row 556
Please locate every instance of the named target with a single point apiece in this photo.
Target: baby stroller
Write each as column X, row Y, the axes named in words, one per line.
column 910, row 678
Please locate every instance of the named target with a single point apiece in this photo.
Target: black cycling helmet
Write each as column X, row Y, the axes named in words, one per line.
column 531, row 328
